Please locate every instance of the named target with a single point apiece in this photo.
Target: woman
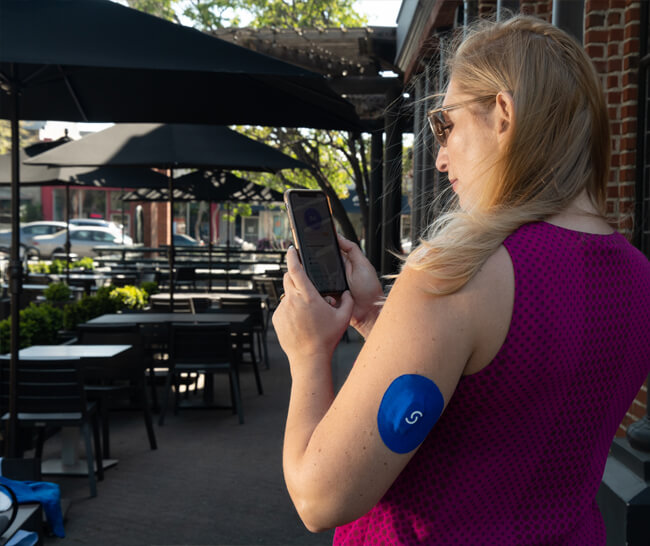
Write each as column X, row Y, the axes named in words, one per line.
column 522, row 314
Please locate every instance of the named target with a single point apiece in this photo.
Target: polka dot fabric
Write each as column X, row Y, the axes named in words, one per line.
column 519, row 453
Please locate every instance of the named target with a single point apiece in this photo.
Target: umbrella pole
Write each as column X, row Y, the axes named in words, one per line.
column 123, row 249
column 15, row 272
column 228, row 249
column 67, row 234
column 170, row 254
column 210, row 246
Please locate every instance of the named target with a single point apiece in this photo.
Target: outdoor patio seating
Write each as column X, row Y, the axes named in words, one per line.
column 256, row 326
column 50, row 393
column 123, row 380
column 204, row 349
column 155, row 346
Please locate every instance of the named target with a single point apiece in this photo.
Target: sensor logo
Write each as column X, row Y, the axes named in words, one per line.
column 413, row 418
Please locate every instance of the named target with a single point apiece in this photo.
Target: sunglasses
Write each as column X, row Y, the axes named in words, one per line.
column 440, row 127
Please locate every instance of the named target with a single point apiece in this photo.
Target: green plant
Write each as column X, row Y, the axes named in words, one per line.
column 150, row 287
column 39, row 325
column 129, row 297
column 57, row 267
column 85, row 263
column 38, row 267
column 57, row 292
column 89, row 307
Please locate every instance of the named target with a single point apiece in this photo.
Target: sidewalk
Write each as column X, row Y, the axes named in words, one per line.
column 211, row 481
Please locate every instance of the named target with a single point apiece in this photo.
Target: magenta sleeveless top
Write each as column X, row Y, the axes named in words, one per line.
column 519, row 453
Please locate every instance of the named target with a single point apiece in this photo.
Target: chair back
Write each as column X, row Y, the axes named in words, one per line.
column 115, row 334
column 271, row 287
column 253, row 307
column 45, row 386
column 206, row 342
column 154, row 336
column 181, row 305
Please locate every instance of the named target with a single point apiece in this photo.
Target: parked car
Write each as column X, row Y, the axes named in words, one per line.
column 82, row 241
column 28, row 231
column 97, row 222
column 180, row 239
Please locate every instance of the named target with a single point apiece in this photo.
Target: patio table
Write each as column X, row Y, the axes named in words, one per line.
column 69, row 463
column 149, row 318
column 163, row 297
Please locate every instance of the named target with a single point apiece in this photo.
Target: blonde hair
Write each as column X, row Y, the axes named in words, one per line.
column 560, row 142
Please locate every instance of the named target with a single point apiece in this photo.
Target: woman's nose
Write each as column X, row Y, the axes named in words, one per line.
column 442, row 160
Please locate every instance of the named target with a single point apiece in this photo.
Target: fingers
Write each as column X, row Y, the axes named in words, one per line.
column 350, row 249
column 299, row 279
column 346, row 303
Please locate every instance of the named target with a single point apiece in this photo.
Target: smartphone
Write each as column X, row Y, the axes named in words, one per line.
column 315, row 240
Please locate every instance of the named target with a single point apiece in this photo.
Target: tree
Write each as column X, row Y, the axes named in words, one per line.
column 26, row 137
column 210, row 15
column 334, row 158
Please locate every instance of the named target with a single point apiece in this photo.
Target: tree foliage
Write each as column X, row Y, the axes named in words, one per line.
column 210, row 15
column 26, row 137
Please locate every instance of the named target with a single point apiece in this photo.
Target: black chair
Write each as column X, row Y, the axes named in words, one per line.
column 270, row 287
column 257, row 325
column 155, row 346
column 185, row 277
column 180, row 305
column 204, row 349
column 50, row 393
column 123, row 379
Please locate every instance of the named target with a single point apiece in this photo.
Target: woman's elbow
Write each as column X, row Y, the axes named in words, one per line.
column 315, row 514
column 323, row 511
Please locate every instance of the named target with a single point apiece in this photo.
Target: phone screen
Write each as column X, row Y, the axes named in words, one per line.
column 315, row 239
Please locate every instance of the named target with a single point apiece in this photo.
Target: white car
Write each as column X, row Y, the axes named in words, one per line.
column 97, row 222
column 82, row 241
column 27, row 232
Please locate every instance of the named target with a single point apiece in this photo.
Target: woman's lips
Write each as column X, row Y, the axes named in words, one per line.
column 453, row 183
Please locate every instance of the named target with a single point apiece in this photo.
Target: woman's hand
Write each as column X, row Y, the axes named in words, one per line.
column 364, row 285
column 308, row 326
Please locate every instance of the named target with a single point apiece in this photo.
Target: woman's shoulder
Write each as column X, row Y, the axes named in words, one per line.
column 480, row 312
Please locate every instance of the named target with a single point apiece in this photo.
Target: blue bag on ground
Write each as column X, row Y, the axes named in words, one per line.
column 47, row 493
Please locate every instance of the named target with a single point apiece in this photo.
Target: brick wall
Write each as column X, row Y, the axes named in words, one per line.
column 612, row 40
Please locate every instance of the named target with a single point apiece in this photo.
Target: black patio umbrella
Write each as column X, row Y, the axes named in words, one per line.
column 96, row 60
column 169, row 146
column 213, row 187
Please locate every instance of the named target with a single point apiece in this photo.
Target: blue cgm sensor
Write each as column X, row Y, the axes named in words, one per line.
column 411, row 405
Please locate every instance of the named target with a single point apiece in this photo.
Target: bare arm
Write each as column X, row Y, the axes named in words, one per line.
column 336, row 465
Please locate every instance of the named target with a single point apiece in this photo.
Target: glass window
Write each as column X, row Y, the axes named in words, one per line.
column 116, row 200
column 81, row 235
column 93, row 204
column 103, row 237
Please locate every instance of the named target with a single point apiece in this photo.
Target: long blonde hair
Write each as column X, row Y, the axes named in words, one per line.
column 560, row 143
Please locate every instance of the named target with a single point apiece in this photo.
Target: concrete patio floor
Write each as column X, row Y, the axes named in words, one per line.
column 210, row 482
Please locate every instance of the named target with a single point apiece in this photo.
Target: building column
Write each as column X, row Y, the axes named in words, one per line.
column 373, row 235
column 420, row 126
column 392, row 194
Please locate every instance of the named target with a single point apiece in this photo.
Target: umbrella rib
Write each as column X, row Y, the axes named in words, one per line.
column 34, row 74
column 73, row 93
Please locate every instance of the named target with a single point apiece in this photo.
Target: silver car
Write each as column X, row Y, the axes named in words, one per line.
column 28, row 231
column 82, row 241
column 97, row 222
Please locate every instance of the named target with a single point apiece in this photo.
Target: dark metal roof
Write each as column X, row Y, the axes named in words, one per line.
column 351, row 59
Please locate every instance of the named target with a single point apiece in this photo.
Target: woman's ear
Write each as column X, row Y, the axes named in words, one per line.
column 505, row 112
